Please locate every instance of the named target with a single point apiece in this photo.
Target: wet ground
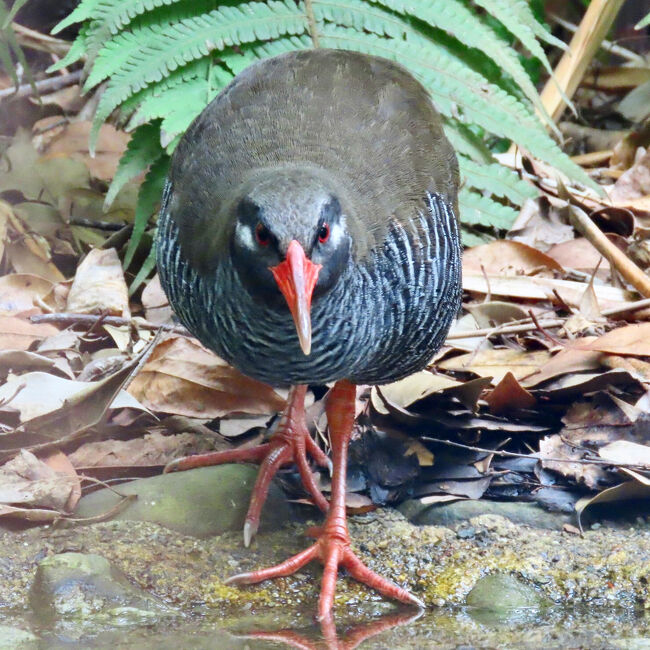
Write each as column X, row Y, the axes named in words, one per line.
column 489, row 581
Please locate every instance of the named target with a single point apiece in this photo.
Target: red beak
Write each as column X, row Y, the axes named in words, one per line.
column 296, row 278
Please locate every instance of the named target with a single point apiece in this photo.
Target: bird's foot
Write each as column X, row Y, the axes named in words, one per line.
column 289, row 444
column 333, row 549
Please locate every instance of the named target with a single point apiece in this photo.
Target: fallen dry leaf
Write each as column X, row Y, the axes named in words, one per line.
column 628, row 340
column 506, row 257
column 19, row 334
column 70, row 140
column 154, row 449
column 155, row 303
column 538, row 288
column 498, row 363
column 21, row 292
column 183, row 378
column 567, row 361
column 579, row 254
column 624, row 452
column 99, row 285
column 60, row 408
column 634, row 183
column 509, row 395
column 28, row 481
column 554, row 447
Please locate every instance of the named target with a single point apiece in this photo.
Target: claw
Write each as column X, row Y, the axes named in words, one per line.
column 250, row 529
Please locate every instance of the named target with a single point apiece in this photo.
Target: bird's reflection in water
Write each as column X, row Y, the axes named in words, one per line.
column 351, row 637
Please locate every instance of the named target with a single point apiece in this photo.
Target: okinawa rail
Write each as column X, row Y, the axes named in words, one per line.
column 308, row 234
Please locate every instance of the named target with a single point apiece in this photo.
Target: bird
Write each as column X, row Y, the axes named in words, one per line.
column 309, row 234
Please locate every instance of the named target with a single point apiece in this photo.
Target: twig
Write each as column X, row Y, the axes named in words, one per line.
column 543, row 332
column 583, row 46
column 67, row 318
column 615, row 256
column 531, row 327
column 608, row 46
column 36, row 41
column 512, row 454
column 311, row 20
column 97, row 225
column 44, row 85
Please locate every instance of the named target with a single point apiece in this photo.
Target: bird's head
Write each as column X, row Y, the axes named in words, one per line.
column 290, row 240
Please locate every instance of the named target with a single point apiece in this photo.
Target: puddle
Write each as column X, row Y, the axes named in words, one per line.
column 372, row 627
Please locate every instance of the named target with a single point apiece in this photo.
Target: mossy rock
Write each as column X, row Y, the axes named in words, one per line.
column 200, row 502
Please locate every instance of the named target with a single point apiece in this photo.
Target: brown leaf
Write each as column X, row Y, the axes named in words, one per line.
column 61, row 464
column 18, row 361
column 566, row 361
column 99, row 285
column 155, row 303
column 624, row 452
column 628, row 340
column 20, row 292
column 538, row 288
column 19, row 334
column 579, row 254
column 28, row 481
column 505, row 257
column 154, row 449
column 637, row 488
column 508, row 395
column 71, row 141
column 554, row 447
column 498, row 363
column 184, row 378
column 634, row 183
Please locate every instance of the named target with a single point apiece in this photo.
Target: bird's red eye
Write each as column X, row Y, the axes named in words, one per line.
column 262, row 234
column 324, row 233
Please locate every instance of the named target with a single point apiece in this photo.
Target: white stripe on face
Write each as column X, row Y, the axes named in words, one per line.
column 244, row 236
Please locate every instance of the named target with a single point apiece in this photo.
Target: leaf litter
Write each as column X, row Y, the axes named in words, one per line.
column 542, row 392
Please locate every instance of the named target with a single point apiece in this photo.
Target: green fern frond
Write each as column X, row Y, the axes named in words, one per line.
column 148, row 54
column 477, row 209
column 519, row 20
column 455, row 18
column 162, row 61
column 143, row 149
column 472, row 238
column 465, row 142
column 644, row 22
column 148, row 201
column 82, row 12
column 496, row 179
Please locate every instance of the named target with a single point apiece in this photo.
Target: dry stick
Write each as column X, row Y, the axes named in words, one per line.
column 583, row 46
column 45, row 85
column 512, row 454
column 608, row 46
column 616, row 257
column 531, row 327
column 69, row 318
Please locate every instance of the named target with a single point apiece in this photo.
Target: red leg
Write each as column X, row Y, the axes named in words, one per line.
column 290, row 444
column 333, row 544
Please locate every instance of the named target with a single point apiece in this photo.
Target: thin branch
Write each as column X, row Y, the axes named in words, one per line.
column 583, row 46
column 67, row 318
column 531, row 327
column 512, row 454
column 45, row 85
column 616, row 257
column 311, row 20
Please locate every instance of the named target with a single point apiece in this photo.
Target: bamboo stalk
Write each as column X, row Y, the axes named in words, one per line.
column 569, row 72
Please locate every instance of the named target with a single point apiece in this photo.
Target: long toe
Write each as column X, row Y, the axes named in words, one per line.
column 359, row 571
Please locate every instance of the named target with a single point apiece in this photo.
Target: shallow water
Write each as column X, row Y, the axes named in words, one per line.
column 375, row 627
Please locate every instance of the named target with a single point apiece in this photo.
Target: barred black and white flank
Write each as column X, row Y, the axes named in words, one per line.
column 295, row 143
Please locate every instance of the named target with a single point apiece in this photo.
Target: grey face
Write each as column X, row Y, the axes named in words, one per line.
column 277, row 208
